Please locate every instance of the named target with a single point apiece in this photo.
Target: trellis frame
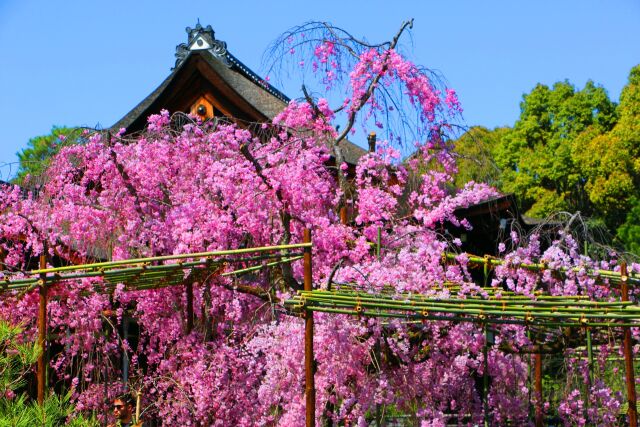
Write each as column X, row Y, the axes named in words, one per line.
column 543, row 311
column 576, row 311
column 145, row 273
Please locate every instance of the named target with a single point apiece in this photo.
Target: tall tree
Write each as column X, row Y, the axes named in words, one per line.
column 536, row 158
column 612, row 163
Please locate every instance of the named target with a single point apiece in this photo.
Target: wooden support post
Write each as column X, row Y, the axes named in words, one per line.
column 628, row 354
column 371, row 139
column 189, row 290
column 538, row 390
column 309, row 361
column 344, row 215
column 42, row 331
column 125, row 353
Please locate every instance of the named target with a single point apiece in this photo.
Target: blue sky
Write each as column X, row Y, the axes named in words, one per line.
column 89, row 62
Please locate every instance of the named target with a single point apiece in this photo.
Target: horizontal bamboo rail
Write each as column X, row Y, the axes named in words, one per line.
column 614, row 276
column 564, row 311
column 144, row 273
column 171, row 257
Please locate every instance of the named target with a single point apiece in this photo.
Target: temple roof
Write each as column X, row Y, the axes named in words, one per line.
column 204, row 64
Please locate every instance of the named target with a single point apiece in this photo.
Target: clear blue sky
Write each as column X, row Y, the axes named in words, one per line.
column 89, row 62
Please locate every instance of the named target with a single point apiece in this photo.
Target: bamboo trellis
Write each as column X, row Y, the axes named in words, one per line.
column 488, row 306
column 544, row 311
column 160, row 271
column 145, row 273
column 614, row 277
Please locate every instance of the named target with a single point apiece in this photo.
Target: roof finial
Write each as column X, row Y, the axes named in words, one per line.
column 201, row 38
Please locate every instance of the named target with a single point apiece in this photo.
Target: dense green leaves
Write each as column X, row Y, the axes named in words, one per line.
column 536, row 156
column 475, row 151
column 35, row 158
column 17, row 356
column 570, row 150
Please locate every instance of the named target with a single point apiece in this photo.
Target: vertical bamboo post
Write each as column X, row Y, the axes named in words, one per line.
column 529, row 377
column 189, row 291
column 628, row 354
column 538, row 390
column 309, row 362
column 138, row 405
column 590, row 354
column 377, row 344
column 42, row 330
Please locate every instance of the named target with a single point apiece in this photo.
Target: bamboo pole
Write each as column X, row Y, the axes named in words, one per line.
column 42, row 332
column 150, row 273
column 590, row 355
column 377, row 344
column 628, row 355
column 529, row 377
column 112, row 264
column 259, row 267
column 125, row 353
column 422, row 317
column 503, row 305
column 559, row 305
column 580, row 316
column 138, row 406
column 309, row 361
column 589, row 379
column 474, row 259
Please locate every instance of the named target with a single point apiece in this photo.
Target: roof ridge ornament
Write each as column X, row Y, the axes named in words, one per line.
column 202, row 38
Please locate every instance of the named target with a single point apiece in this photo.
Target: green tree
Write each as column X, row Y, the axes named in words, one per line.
column 536, row 157
column 476, row 155
column 572, row 150
column 610, row 161
column 629, row 231
column 35, row 158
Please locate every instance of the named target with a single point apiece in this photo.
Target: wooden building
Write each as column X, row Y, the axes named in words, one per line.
column 208, row 81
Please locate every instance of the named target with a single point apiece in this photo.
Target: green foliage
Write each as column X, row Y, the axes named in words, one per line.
column 35, row 158
column 570, row 150
column 536, row 157
column 17, row 356
column 629, row 231
column 611, row 161
column 55, row 411
column 476, row 150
